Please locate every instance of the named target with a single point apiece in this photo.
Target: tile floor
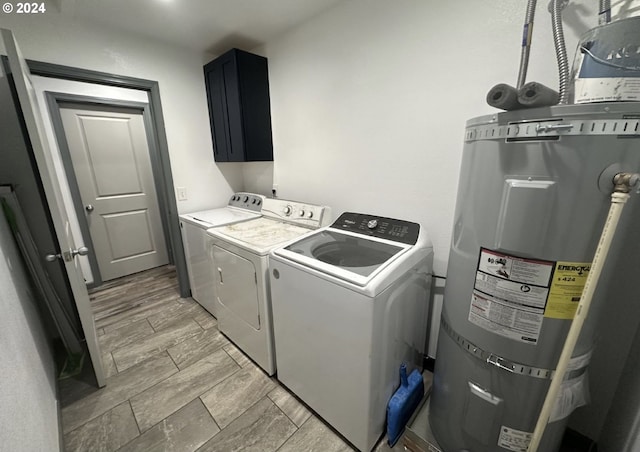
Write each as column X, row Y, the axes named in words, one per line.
column 175, row 383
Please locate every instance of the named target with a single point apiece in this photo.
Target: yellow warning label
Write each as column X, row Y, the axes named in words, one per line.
column 566, row 289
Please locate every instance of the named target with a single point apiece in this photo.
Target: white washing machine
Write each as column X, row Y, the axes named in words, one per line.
column 350, row 305
column 193, row 227
column 240, row 252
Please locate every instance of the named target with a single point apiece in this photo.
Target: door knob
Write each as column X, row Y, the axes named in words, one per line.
column 82, row 251
column 52, row 257
column 89, row 207
column 67, row 256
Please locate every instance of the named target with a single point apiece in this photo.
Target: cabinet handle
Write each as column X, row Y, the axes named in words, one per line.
column 220, row 273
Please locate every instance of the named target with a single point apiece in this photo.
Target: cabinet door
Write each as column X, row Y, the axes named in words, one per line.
column 234, row 111
column 217, row 99
column 238, row 94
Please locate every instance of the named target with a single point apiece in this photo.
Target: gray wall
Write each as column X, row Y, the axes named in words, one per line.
column 28, row 406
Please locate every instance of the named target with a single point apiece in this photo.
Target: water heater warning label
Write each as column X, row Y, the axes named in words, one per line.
column 510, row 295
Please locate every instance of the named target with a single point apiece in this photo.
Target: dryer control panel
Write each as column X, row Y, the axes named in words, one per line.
column 382, row 227
column 248, row 201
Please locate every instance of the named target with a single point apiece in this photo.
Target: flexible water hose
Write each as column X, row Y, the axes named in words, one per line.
column 561, row 49
column 604, row 14
column 527, row 32
column 619, row 197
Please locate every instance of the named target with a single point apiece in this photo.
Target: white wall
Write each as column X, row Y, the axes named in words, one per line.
column 29, row 413
column 52, row 38
column 369, row 100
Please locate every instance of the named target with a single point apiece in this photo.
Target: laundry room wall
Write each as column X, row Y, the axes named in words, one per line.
column 29, row 414
column 55, row 39
column 369, row 100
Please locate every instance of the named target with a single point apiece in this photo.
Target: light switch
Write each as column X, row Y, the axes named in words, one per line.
column 182, row 193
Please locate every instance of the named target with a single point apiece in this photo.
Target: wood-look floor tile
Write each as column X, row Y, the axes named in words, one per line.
column 314, row 436
column 158, row 402
column 157, row 342
column 119, row 388
column 109, row 364
column 232, row 397
column 237, row 355
column 128, row 334
column 127, row 296
column 157, row 274
column 141, row 310
column 130, row 297
column 205, row 319
column 105, row 433
column 167, row 271
column 183, row 308
column 292, row 407
column 262, row 428
column 183, row 431
column 197, row 347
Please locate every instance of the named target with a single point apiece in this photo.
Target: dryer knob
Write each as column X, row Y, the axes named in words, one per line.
column 372, row 224
column 310, row 214
column 246, row 198
column 287, row 210
column 301, row 213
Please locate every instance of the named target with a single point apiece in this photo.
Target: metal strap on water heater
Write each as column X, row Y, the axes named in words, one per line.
column 491, row 358
column 553, row 128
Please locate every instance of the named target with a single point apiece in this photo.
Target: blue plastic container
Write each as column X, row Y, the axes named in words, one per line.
column 403, row 403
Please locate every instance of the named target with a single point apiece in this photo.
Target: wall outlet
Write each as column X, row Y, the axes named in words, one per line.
column 182, row 193
column 274, row 190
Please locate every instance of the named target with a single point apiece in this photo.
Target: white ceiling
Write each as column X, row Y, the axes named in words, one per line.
column 211, row 26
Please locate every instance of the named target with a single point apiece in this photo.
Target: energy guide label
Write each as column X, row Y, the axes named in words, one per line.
column 510, row 295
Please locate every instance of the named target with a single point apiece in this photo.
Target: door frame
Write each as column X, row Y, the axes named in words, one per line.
column 169, row 212
column 54, row 101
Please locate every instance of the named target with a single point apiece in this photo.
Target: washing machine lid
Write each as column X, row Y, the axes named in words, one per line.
column 216, row 217
column 349, row 256
column 260, row 235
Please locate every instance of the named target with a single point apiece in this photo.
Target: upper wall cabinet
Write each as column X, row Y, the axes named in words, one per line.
column 238, row 95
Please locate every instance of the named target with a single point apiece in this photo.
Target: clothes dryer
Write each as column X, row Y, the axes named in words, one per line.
column 241, row 283
column 350, row 305
column 193, row 226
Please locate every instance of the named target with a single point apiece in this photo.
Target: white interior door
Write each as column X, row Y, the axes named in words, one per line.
column 110, row 157
column 68, row 250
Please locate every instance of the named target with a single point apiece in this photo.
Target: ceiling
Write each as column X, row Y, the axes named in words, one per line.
column 210, row 26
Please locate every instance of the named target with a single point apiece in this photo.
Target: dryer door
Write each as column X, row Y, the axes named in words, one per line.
column 236, row 286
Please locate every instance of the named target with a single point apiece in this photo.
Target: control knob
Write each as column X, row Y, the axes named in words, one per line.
column 246, row 198
column 310, row 214
column 287, row 210
column 372, row 224
column 301, row 213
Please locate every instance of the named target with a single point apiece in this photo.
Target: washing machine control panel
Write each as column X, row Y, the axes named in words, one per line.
column 382, row 227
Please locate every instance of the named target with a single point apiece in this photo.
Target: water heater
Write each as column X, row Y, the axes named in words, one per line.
column 533, row 195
